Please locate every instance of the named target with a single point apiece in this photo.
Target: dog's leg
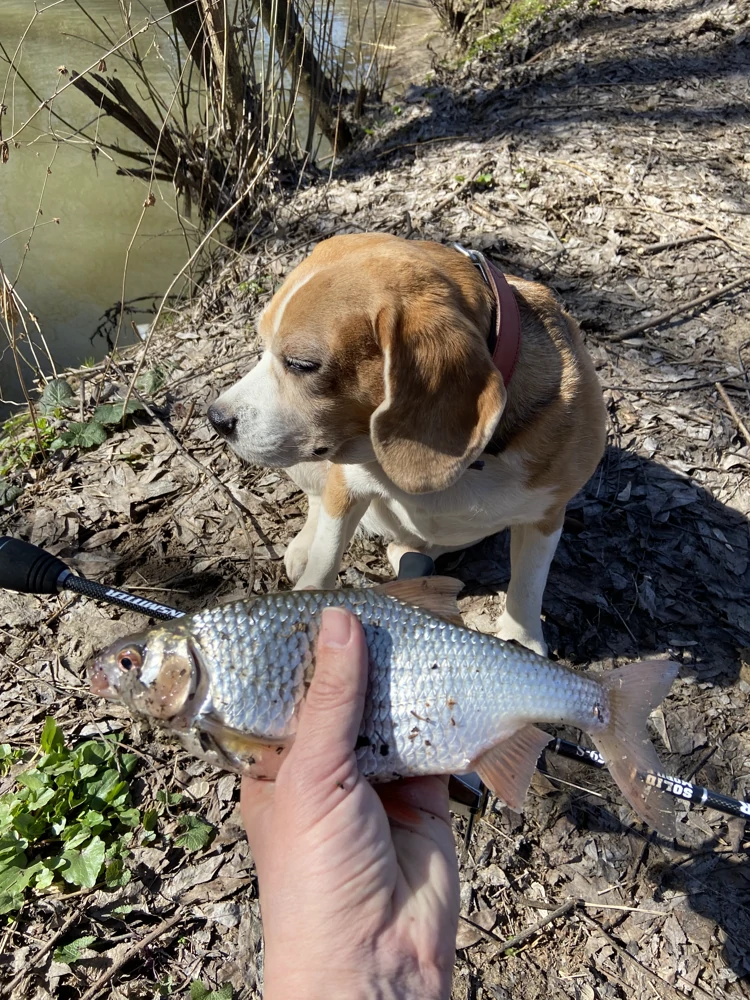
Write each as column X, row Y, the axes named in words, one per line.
column 338, row 515
column 298, row 550
column 532, row 548
column 310, row 477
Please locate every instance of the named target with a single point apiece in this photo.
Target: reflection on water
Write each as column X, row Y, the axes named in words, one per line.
column 72, row 269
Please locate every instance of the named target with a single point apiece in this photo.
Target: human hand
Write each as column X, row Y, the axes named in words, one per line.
column 358, row 885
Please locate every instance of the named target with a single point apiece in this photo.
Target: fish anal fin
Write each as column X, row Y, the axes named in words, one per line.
column 436, row 594
column 508, row 767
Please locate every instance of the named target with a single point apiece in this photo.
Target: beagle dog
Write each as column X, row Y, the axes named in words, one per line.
column 408, row 388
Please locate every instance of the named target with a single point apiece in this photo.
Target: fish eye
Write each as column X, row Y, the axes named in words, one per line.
column 130, row 658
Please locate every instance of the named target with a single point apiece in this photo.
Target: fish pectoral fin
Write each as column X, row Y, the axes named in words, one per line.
column 234, row 741
column 507, row 768
column 436, row 594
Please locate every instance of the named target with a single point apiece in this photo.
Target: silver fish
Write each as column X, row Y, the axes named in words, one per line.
column 441, row 698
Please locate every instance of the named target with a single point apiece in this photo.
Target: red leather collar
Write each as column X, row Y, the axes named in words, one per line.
column 507, row 330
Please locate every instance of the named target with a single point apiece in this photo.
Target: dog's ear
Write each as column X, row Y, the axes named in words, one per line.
column 443, row 397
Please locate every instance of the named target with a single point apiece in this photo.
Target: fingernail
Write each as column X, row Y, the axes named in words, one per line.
column 336, row 629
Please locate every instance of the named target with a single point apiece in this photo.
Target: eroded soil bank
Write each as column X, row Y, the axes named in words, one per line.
column 616, row 152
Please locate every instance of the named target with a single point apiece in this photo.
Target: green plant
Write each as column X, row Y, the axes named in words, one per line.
column 149, row 382
column 19, row 442
column 69, row 819
column 71, row 952
column 57, row 395
column 8, row 757
column 197, row 833
column 200, row 992
column 93, row 432
column 518, row 16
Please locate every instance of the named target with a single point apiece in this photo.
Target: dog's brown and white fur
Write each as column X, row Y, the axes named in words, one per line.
column 377, row 392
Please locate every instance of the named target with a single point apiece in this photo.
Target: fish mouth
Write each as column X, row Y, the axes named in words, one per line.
column 97, row 678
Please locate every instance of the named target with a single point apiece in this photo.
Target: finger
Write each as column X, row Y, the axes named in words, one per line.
column 332, row 711
column 256, row 805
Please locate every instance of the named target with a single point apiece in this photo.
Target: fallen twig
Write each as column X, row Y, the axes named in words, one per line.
column 685, row 307
column 237, row 503
column 681, row 242
column 444, row 202
column 138, row 947
column 35, row 962
column 671, row 992
column 733, row 412
column 531, row 931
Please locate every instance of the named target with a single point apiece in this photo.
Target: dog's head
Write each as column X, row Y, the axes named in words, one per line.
column 375, row 348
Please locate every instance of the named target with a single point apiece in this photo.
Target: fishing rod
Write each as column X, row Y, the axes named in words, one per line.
column 28, row 569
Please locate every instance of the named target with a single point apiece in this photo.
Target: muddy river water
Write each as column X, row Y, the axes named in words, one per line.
column 69, row 267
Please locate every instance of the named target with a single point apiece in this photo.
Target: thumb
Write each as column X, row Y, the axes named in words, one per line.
column 332, row 711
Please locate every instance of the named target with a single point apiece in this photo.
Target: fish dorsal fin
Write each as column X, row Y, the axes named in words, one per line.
column 436, row 594
column 508, row 767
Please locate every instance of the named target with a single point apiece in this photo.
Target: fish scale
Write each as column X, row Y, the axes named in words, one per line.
column 422, row 715
column 440, row 698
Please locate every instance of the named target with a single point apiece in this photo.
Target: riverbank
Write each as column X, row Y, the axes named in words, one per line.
column 607, row 159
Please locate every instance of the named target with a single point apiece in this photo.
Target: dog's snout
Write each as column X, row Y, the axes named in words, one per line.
column 223, row 421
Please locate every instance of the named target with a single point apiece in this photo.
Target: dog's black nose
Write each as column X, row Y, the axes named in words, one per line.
column 224, row 422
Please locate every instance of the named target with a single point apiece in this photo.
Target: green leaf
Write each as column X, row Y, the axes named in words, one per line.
column 52, row 738
column 150, row 818
column 8, row 493
column 71, row 952
column 84, row 866
column 68, row 816
column 116, row 874
column 14, row 880
column 57, row 394
column 78, row 435
column 197, row 833
column 149, row 382
column 169, row 798
column 112, row 413
column 200, row 992
column 129, row 817
column 9, row 902
column 45, row 877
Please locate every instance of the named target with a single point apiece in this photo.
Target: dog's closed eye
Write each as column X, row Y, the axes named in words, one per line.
column 301, row 366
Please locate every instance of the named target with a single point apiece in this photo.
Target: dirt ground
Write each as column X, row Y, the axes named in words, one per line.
column 617, row 144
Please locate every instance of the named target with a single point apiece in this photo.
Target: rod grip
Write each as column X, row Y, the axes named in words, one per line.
column 28, row 569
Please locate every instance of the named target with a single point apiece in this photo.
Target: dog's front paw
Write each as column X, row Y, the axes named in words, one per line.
column 513, row 631
column 295, row 557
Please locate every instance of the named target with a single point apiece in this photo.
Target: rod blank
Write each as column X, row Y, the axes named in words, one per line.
column 28, row 569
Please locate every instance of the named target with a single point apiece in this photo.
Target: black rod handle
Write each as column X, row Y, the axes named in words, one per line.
column 28, row 569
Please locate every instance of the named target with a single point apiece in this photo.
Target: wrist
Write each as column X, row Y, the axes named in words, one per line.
column 385, row 981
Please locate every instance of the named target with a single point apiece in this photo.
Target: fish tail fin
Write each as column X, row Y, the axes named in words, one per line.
column 508, row 767
column 634, row 691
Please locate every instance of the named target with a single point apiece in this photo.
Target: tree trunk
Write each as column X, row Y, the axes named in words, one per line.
column 212, row 49
column 296, row 52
